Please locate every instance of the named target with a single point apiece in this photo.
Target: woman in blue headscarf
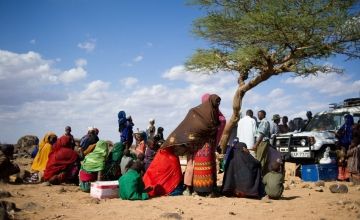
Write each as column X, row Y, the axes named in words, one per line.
column 345, row 132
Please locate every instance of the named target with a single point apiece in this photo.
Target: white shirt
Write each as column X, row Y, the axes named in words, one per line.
column 246, row 131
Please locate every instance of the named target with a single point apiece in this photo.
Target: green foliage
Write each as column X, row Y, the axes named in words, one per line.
column 275, row 35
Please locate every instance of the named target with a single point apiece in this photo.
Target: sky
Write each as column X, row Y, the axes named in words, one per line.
column 80, row 62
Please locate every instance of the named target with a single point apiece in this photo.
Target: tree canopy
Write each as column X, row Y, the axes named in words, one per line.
column 262, row 38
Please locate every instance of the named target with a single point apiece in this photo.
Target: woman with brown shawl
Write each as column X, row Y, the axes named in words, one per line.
column 197, row 130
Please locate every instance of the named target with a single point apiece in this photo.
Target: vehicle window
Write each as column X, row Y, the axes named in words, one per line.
column 326, row 122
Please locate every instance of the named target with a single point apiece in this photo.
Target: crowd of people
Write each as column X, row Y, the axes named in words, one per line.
column 151, row 167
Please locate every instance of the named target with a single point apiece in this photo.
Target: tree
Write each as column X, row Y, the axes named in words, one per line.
column 259, row 39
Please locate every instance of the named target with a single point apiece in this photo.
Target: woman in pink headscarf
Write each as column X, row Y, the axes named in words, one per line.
column 200, row 170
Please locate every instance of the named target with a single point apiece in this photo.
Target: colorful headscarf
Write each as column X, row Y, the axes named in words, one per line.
column 42, row 156
column 95, row 161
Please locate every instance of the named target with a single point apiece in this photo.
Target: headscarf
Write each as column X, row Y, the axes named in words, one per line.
column 95, row 161
column 61, row 157
column 42, row 156
column 121, row 120
column 222, row 119
column 199, row 126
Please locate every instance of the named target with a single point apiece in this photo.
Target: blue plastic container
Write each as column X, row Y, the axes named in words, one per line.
column 316, row 172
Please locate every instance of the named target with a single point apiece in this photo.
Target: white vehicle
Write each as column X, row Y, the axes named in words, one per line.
column 319, row 133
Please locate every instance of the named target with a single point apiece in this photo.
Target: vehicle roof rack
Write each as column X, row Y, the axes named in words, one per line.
column 352, row 102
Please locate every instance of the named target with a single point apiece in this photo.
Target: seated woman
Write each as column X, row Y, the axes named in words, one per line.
column 131, row 186
column 242, row 177
column 39, row 163
column 63, row 164
column 93, row 166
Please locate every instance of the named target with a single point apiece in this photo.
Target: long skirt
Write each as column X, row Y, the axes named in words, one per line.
column 204, row 180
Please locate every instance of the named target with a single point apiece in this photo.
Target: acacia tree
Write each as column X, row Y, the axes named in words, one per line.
column 259, row 39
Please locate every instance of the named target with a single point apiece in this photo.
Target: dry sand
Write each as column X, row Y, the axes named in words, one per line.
column 301, row 201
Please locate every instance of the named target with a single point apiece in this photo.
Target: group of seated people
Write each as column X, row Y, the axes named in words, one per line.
column 152, row 167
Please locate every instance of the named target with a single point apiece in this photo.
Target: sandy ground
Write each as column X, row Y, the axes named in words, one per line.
column 301, row 201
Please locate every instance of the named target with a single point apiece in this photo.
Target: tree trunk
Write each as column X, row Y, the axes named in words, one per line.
column 237, row 102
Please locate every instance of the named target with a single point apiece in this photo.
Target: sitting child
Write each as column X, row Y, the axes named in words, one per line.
column 273, row 181
column 125, row 161
column 131, row 185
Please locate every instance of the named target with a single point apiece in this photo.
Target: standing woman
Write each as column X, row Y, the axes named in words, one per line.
column 345, row 134
column 198, row 128
column 207, row 153
column 93, row 166
column 204, row 179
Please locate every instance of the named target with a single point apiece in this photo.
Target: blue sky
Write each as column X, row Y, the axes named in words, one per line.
column 79, row 62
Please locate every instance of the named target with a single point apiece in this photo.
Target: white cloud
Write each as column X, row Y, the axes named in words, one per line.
column 72, row 75
column 88, row 45
column 149, row 44
column 129, row 81
column 198, row 78
column 27, row 77
column 331, row 84
column 138, row 59
column 96, row 90
column 32, row 41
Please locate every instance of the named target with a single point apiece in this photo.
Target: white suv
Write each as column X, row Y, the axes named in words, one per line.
column 310, row 144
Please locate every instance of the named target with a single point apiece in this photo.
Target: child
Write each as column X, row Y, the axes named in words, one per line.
column 125, row 161
column 273, row 181
column 141, row 140
column 131, row 186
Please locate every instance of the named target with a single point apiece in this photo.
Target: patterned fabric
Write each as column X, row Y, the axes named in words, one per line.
column 204, row 178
